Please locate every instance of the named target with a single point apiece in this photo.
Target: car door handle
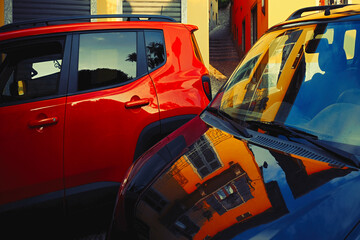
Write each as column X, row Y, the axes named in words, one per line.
column 43, row 122
column 137, row 103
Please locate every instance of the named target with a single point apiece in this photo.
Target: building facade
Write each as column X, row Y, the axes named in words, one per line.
column 213, row 13
column 250, row 19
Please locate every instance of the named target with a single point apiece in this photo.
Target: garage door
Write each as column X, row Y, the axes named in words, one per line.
column 171, row 8
column 32, row 9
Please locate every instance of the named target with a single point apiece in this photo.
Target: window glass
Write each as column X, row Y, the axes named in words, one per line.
column 155, row 48
column 306, row 78
column 30, row 71
column 246, row 90
column 106, row 59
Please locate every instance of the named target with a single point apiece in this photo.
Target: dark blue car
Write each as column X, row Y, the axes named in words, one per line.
column 274, row 156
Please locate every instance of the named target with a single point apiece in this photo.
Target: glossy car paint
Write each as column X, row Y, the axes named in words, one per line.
column 102, row 133
column 81, row 160
column 252, row 190
column 32, row 157
column 182, row 74
column 279, row 196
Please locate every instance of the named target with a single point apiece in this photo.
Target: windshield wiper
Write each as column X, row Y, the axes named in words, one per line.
column 225, row 116
column 282, row 129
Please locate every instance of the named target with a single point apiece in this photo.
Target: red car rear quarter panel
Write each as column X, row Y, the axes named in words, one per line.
column 178, row 82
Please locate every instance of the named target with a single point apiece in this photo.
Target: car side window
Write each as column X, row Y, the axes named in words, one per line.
column 155, row 48
column 106, row 59
column 30, row 71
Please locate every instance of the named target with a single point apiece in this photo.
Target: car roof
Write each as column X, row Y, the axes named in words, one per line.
column 83, row 23
column 322, row 14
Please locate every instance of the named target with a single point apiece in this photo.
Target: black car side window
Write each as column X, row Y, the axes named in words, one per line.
column 30, row 71
column 155, row 48
column 106, row 59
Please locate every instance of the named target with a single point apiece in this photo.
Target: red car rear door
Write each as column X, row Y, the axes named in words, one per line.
column 111, row 100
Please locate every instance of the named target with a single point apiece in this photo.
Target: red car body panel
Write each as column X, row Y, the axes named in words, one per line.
column 31, row 157
column 182, row 74
column 101, row 133
column 96, row 132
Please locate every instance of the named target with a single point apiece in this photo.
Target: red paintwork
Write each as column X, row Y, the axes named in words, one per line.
column 101, row 133
column 95, row 138
column 31, row 158
column 182, row 74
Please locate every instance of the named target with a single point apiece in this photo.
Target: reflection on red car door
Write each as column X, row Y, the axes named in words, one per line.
column 102, row 130
column 31, row 140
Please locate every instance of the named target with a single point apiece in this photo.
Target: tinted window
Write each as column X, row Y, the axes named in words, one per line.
column 30, row 71
column 155, row 48
column 106, row 59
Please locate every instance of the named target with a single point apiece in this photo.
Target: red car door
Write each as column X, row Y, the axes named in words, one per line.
column 33, row 83
column 112, row 99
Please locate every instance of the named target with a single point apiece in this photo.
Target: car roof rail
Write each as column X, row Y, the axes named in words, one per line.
column 73, row 19
column 297, row 14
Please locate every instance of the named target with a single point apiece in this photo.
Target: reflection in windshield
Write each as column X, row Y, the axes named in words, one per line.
column 306, row 78
column 227, row 200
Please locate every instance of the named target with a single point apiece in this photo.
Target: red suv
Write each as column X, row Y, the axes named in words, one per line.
column 80, row 101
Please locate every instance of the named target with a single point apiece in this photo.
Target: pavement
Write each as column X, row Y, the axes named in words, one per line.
column 223, row 55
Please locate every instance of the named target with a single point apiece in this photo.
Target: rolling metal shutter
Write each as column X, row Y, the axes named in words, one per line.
column 171, row 8
column 33, row 9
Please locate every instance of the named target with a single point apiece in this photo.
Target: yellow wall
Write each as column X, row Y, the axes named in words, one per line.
column 198, row 14
column 107, row 6
column 354, row 1
column 280, row 10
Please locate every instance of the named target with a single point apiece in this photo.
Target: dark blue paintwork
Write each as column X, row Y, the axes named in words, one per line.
column 306, row 203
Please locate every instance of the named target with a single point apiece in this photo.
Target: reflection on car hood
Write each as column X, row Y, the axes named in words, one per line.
column 220, row 187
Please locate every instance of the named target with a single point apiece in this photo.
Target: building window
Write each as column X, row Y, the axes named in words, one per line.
column 203, row 157
column 253, row 25
column 231, row 195
column 335, row 2
column 186, row 227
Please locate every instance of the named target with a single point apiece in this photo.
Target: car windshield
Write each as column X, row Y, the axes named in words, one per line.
column 304, row 77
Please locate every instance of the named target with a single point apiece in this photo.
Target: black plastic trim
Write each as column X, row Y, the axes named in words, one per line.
column 141, row 63
column 297, row 14
column 147, row 138
column 55, row 21
column 156, row 131
column 275, row 143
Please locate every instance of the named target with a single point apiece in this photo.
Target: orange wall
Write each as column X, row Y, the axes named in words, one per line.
column 2, row 16
column 241, row 10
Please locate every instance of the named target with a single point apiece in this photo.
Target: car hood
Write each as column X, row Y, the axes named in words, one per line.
column 203, row 182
